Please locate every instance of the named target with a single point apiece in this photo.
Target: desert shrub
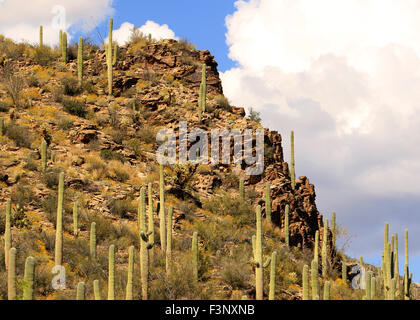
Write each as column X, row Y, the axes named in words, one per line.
column 121, row 208
column 13, row 83
column 75, row 107
column 19, row 134
column 254, row 115
column 147, row 134
column 22, row 193
column 222, row 102
column 236, row 269
column 120, row 174
column 30, row 163
column 49, row 206
column 70, row 86
column 108, row 155
column 65, row 123
column 5, row 106
column 51, row 177
column 44, row 56
column 231, row 180
column 185, row 44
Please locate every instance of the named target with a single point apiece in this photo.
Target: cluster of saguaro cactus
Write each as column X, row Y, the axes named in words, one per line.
column 324, row 250
column 145, row 245
column 292, row 160
column 80, row 62
column 59, row 225
column 258, row 257
column 286, row 225
column 111, row 272
column 109, row 57
column 43, row 155
column 267, row 202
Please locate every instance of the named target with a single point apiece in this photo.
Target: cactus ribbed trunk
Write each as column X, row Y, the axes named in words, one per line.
column 59, row 225
column 292, row 160
column 407, row 277
column 145, row 245
column 267, row 201
column 80, row 61
column 7, row 234
column 241, row 190
column 11, row 275
column 151, row 225
column 80, row 291
column 43, row 155
column 316, row 246
column 326, row 290
column 314, row 277
column 324, row 250
column 92, row 241
column 368, row 285
column 109, row 57
column 162, row 219
column 64, row 47
column 286, row 226
column 343, row 271
column 28, row 285
column 75, row 219
column 194, row 253
column 203, row 89
column 129, row 287
column 111, row 273
column 60, row 40
column 41, row 36
column 373, row 287
column 1, row 126
column 169, row 242
column 96, row 290
column 333, row 228
column 305, row 282
column 272, row 293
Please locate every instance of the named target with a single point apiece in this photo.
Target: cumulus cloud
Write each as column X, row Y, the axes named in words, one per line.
column 21, row 21
column 345, row 76
column 158, row 32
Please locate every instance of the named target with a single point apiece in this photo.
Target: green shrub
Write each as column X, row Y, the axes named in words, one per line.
column 20, row 134
column 75, row 107
column 107, row 154
column 44, row 56
column 121, row 208
column 70, row 86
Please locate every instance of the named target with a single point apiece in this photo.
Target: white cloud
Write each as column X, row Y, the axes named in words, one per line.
column 20, row 20
column 345, row 76
column 158, row 32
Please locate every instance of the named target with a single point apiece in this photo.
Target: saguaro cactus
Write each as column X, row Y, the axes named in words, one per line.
column 1, row 126
column 396, row 262
column 368, row 285
column 75, row 219
column 272, row 293
column 129, row 287
column 327, row 290
column 316, row 246
column 344, row 271
column 314, row 276
column 305, row 282
column 194, row 254
column 41, row 36
column 286, row 225
column 267, row 201
column 162, row 224
column 373, row 287
column 258, row 258
column 80, row 291
column 292, row 160
column 92, row 241
column 333, row 228
column 43, row 155
column 115, row 54
column 28, row 285
column 64, row 47
column 169, row 242
column 11, row 275
column 96, row 290
column 407, row 276
column 7, row 234
column 203, row 90
column 111, row 272
column 241, row 190
column 60, row 40
column 324, row 250
column 109, row 57
column 145, row 245
column 59, row 225
column 151, row 225
column 80, row 61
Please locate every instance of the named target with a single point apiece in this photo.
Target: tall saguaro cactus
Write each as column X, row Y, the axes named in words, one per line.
column 111, row 272
column 292, row 160
column 324, row 250
column 1, row 126
column 162, row 223
column 80, row 291
column 305, row 282
column 109, row 57
column 407, row 276
column 267, row 201
column 7, row 234
column 286, row 226
column 64, row 47
column 129, row 287
column 194, row 254
column 368, row 285
column 28, row 285
column 203, row 89
column 11, row 275
column 145, row 245
column 43, row 155
column 333, row 228
column 314, row 277
column 92, row 241
column 151, row 225
column 316, row 246
column 169, row 242
column 60, row 40
column 241, row 190
column 344, row 271
column 41, row 36
column 272, row 293
column 80, row 61
column 327, row 290
column 96, row 290
column 59, row 225
column 258, row 258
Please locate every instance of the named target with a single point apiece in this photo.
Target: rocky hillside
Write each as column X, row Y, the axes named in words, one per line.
column 106, row 147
